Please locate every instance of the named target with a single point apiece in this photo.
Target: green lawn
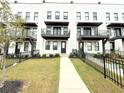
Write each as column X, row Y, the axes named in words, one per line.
column 10, row 62
column 39, row 75
column 94, row 80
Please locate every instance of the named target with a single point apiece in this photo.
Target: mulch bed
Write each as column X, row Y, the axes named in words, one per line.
column 12, row 86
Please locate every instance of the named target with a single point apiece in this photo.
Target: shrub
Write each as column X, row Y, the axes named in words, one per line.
column 44, row 56
column 57, row 55
column 51, row 55
column 37, row 55
column 72, row 55
column 98, row 55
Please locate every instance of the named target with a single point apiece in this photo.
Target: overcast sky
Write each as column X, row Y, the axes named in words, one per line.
column 82, row 1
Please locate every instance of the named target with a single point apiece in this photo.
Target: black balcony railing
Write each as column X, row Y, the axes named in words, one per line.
column 58, row 35
column 101, row 34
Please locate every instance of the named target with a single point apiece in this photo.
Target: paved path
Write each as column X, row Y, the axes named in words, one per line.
column 70, row 81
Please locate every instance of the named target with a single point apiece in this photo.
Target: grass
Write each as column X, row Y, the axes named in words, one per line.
column 9, row 62
column 95, row 80
column 39, row 75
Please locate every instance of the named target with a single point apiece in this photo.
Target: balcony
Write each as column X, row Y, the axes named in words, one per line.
column 101, row 35
column 59, row 35
column 117, row 36
column 31, row 36
column 27, row 36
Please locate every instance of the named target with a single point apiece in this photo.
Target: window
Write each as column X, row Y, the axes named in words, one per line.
column 78, row 31
column 115, row 16
column 26, row 45
column 87, row 31
column 78, row 15
column 49, row 14
column 57, row 31
column 57, row 15
column 86, row 15
column 27, row 32
column 94, row 15
column 89, row 46
column 123, row 16
column 35, row 16
column 65, row 31
column 27, row 17
column 47, row 47
column 95, row 29
column 34, row 32
column 109, row 31
column 81, row 46
column 97, row 46
column 118, row 32
column 65, row 15
column 34, row 45
column 55, row 45
column 48, row 31
column 107, row 16
column 19, row 14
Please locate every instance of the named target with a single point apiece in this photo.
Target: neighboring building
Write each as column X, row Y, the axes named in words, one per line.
column 67, row 27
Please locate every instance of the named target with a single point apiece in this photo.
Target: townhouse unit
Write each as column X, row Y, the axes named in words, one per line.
column 68, row 27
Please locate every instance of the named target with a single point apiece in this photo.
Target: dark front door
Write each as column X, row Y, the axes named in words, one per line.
column 63, row 47
column 112, row 46
column 17, row 48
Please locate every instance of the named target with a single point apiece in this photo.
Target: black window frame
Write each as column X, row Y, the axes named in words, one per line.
column 47, row 45
column 55, row 47
column 57, row 15
column 49, row 15
column 78, row 15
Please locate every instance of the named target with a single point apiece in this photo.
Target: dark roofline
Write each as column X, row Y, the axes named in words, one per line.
column 67, row 3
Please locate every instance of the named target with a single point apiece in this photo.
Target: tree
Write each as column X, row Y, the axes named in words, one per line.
column 11, row 28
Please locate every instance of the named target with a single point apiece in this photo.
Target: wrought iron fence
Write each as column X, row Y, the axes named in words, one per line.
column 96, row 63
column 114, row 70
column 111, row 68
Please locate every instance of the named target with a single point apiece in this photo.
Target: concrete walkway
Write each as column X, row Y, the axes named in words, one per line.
column 70, row 81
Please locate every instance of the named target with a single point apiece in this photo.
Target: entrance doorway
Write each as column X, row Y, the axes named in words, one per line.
column 63, row 46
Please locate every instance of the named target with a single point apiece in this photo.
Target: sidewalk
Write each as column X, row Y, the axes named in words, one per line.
column 70, row 81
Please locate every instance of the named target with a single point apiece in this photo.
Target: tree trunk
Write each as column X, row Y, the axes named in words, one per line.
column 3, row 66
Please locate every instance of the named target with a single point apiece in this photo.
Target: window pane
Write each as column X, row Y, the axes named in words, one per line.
column 107, row 16
column 57, row 15
column 48, row 31
column 86, row 15
column 97, row 46
column 94, row 15
column 65, row 15
column 123, row 16
column 49, row 14
column 55, row 45
column 47, row 47
column 78, row 31
column 35, row 16
column 19, row 14
column 65, row 31
column 115, row 16
column 89, row 46
column 78, row 15
column 26, row 45
column 27, row 17
column 34, row 45
column 87, row 31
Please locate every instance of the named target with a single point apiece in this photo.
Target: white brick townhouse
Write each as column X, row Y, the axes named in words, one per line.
column 65, row 27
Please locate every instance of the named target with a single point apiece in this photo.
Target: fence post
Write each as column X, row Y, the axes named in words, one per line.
column 104, row 67
column 103, row 43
